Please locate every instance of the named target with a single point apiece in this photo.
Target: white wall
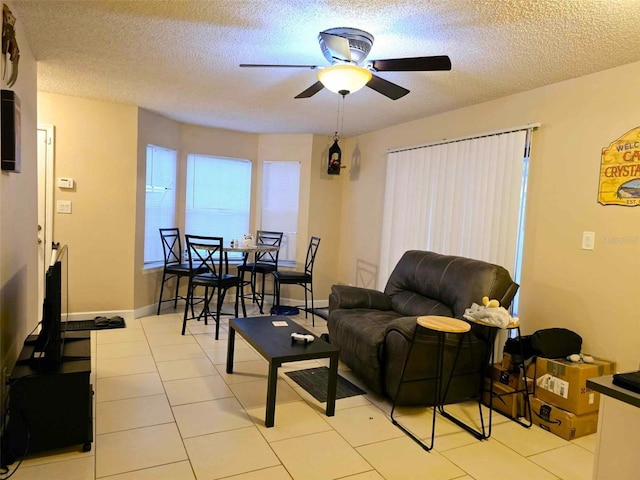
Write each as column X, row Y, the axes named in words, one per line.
column 19, row 312
column 590, row 292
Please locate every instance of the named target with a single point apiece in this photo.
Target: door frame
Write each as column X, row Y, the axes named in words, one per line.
column 46, row 186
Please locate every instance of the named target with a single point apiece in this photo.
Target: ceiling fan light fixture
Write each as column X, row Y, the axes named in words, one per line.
column 344, row 79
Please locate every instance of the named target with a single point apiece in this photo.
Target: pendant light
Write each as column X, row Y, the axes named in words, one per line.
column 335, row 153
column 344, row 78
column 335, row 157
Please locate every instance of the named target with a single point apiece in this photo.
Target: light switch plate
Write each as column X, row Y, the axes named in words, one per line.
column 63, row 206
column 588, row 240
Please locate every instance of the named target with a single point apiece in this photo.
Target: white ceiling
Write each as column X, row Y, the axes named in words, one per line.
column 180, row 58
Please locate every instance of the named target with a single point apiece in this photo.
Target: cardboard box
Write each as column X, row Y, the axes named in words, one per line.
column 562, row 423
column 508, row 378
column 508, row 402
column 507, row 364
column 562, row 383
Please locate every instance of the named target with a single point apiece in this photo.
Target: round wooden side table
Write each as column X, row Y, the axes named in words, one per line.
column 442, row 326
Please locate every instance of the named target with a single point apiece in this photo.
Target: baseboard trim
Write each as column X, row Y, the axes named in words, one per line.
column 149, row 310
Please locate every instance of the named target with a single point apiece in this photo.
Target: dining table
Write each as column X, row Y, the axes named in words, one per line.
column 246, row 250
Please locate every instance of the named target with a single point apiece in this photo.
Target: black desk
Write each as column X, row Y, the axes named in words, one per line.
column 276, row 346
column 51, row 407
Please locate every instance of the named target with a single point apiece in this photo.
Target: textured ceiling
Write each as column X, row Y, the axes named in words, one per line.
column 180, row 58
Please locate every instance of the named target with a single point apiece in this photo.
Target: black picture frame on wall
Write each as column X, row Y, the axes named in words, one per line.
column 10, row 131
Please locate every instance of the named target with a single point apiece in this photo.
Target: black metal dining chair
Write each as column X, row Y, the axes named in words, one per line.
column 263, row 263
column 302, row 278
column 174, row 267
column 207, row 269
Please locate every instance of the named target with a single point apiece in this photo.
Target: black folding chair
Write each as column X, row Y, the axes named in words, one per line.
column 207, row 269
column 173, row 265
column 304, row 279
column 263, row 263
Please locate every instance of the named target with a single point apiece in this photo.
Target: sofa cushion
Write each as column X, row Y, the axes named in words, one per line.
column 360, row 333
column 414, row 304
column 422, row 279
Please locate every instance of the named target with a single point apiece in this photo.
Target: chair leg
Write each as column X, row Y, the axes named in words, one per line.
column 244, row 307
column 261, row 301
column 186, row 307
column 313, row 310
column 236, row 306
column 306, row 303
column 175, row 300
column 220, row 301
column 193, row 314
column 276, row 295
column 206, row 311
column 253, row 287
column 240, row 292
column 164, row 279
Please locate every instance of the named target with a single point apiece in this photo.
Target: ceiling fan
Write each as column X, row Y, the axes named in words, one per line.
column 346, row 49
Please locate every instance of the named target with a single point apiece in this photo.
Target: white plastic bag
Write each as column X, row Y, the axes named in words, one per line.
column 248, row 240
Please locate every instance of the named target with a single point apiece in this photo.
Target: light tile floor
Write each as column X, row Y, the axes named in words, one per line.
column 166, row 409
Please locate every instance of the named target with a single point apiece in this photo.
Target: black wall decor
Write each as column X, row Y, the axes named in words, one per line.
column 10, row 120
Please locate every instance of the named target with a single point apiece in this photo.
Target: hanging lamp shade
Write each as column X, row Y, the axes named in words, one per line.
column 344, row 79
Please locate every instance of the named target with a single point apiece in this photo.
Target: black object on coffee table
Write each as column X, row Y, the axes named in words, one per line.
column 275, row 344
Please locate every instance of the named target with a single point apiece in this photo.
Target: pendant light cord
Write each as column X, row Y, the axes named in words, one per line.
column 340, row 119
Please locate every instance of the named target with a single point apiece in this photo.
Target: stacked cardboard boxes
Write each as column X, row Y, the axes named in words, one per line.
column 563, row 404
column 508, row 388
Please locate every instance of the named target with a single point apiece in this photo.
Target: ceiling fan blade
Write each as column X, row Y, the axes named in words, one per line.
column 415, row 64
column 311, row 91
column 252, row 65
column 338, row 44
column 387, row 88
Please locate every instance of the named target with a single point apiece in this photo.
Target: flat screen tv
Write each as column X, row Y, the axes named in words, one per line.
column 48, row 346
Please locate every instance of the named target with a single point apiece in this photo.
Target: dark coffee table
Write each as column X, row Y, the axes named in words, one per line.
column 276, row 346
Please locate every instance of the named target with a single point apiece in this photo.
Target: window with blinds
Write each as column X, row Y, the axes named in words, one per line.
column 463, row 197
column 280, row 195
column 218, row 197
column 160, row 200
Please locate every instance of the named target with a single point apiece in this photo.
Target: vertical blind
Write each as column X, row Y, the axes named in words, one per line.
column 458, row 198
column 160, row 199
column 218, row 197
column 280, row 194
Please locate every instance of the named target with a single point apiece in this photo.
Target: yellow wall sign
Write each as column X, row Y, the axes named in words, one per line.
column 620, row 171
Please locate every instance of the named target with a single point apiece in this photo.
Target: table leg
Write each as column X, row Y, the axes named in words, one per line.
column 271, row 394
column 231, row 341
column 331, row 389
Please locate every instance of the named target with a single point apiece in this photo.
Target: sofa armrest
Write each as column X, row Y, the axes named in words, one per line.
column 345, row 296
column 403, row 325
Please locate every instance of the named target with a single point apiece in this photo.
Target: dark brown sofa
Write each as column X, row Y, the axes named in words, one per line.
column 373, row 329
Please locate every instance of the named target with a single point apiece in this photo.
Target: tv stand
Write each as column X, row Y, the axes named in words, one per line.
column 50, row 406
